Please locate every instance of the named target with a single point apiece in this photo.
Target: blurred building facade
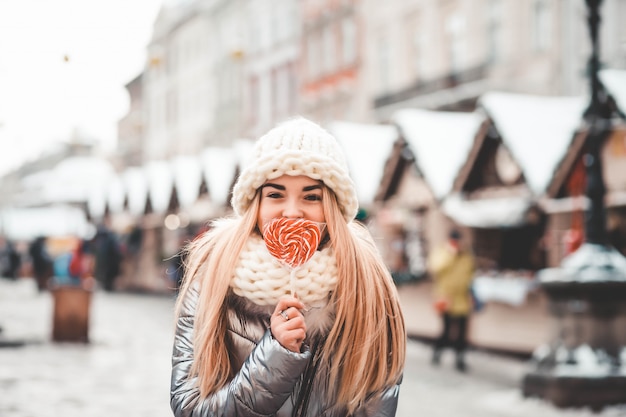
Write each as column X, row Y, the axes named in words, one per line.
column 271, row 59
column 222, row 70
column 130, row 129
column 445, row 54
column 332, row 61
column 179, row 97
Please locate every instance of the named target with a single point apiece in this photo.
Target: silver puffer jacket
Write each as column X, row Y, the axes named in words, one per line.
column 271, row 380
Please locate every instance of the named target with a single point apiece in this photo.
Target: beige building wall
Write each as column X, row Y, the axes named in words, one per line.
column 272, row 54
column 179, row 91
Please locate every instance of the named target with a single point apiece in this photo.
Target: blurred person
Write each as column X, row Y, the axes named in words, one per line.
column 4, row 257
column 130, row 249
column 254, row 336
column 41, row 262
column 83, row 262
column 452, row 268
column 134, row 241
column 10, row 259
column 75, row 268
column 108, row 257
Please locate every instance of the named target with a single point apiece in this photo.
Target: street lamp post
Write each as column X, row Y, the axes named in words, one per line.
column 598, row 116
column 583, row 365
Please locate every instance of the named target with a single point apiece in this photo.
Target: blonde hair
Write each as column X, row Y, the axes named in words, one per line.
column 367, row 343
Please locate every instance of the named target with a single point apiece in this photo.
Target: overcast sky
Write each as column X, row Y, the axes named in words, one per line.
column 63, row 66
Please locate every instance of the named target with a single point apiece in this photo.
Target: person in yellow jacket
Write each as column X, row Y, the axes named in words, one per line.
column 452, row 269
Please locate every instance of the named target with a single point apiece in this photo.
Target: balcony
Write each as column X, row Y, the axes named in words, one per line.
column 426, row 87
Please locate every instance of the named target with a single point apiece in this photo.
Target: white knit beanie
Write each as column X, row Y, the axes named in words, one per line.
column 297, row 147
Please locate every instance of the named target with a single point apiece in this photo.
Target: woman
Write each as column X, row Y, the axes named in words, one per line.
column 256, row 336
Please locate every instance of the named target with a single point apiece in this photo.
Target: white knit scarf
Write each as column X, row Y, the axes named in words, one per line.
column 262, row 279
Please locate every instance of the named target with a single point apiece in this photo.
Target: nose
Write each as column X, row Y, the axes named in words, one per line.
column 292, row 209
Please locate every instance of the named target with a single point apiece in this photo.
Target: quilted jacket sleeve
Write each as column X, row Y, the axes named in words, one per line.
column 382, row 404
column 259, row 388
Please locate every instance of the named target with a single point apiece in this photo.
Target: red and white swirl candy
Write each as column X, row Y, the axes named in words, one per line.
column 292, row 241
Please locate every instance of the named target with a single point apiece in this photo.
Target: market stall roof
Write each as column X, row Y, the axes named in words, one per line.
column 36, row 179
column 615, row 82
column 440, row 142
column 187, row 172
column 115, row 194
column 487, row 213
column 97, row 202
column 136, row 190
column 219, row 166
column 52, row 221
column 73, row 179
column 31, row 188
column 367, row 147
column 536, row 129
column 244, row 152
column 160, row 180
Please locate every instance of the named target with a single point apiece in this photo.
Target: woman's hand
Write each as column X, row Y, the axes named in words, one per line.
column 287, row 323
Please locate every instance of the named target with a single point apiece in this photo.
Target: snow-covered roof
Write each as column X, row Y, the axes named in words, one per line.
column 615, row 83
column 136, row 190
column 219, row 166
column 487, row 213
column 440, row 141
column 504, row 288
column 536, row 129
column 160, row 177
column 244, row 152
column 72, row 180
column 52, row 221
column 115, row 194
column 96, row 202
column 366, row 147
column 187, row 179
column 36, row 179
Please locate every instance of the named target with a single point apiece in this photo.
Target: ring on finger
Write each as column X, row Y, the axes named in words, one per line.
column 284, row 314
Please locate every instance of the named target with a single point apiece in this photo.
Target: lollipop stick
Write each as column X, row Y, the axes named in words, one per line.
column 292, row 281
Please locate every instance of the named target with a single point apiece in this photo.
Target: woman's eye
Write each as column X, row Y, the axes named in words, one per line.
column 313, row 197
column 273, row 195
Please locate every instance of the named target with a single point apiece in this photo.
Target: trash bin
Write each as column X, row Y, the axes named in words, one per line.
column 71, row 314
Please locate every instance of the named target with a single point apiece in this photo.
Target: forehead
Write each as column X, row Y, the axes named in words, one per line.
column 294, row 180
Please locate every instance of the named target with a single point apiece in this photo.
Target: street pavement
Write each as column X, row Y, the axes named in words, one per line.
column 124, row 370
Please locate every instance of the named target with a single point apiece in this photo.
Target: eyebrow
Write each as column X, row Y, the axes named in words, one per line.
column 282, row 187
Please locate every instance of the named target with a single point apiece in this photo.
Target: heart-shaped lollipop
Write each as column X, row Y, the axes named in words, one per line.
column 292, row 241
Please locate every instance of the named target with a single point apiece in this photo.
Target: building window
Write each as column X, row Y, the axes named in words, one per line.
column 255, row 34
column 313, row 56
column 293, row 87
column 419, row 41
column 541, row 26
column 254, row 100
column 290, row 17
column 349, row 41
column 455, row 27
column 329, row 49
column 281, row 91
column 494, row 31
column 172, row 108
column 384, row 56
